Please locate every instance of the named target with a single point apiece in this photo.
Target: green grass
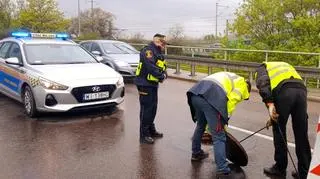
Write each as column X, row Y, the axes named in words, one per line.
column 311, row 83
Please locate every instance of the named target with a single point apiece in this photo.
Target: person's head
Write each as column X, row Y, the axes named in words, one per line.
column 160, row 41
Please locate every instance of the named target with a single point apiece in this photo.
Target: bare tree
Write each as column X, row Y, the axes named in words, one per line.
column 176, row 34
column 100, row 22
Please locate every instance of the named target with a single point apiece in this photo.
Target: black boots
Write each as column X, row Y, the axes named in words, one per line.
column 274, row 170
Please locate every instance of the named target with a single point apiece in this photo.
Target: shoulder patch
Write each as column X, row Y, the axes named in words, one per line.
column 149, row 54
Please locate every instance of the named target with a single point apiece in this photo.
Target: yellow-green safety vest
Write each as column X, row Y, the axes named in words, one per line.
column 161, row 64
column 279, row 71
column 235, row 87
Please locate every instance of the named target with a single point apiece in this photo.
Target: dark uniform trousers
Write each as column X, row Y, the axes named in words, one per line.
column 292, row 101
column 148, row 97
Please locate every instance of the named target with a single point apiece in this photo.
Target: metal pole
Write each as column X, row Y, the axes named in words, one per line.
column 216, row 20
column 253, row 134
column 79, row 20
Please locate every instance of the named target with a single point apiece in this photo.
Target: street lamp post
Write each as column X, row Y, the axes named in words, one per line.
column 79, row 20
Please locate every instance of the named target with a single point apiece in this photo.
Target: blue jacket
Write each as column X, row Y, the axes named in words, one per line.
column 148, row 58
column 213, row 94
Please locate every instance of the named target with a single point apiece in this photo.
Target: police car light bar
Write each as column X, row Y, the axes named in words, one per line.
column 20, row 34
column 40, row 35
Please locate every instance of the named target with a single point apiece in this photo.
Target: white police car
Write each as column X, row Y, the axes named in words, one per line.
column 50, row 73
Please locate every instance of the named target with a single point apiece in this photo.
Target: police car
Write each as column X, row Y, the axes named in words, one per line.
column 51, row 73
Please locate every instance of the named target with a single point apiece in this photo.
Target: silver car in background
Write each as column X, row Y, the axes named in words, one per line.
column 55, row 75
column 121, row 56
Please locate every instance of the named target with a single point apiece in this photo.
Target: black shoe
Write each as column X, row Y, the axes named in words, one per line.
column 223, row 175
column 156, row 134
column 274, row 171
column 199, row 156
column 146, row 140
column 294, row 175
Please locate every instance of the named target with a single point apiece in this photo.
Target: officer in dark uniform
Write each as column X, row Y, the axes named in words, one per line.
column 151, row 71
column 284, row 93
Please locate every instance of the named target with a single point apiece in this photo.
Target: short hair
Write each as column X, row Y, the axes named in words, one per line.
column 159, row 35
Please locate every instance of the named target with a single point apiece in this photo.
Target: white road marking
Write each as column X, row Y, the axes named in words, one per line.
column 259, row 135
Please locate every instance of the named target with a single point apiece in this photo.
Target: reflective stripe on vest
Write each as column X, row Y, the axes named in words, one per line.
column 227, row 82
column 279, row 71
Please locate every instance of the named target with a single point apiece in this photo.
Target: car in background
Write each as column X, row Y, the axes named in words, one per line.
column 120, row 56
column 51, row 73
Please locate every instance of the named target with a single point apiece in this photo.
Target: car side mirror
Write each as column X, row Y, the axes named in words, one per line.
column 99, row 58
column 13, row 61
column 97, row 53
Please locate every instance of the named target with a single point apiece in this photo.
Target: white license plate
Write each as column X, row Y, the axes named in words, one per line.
column 94, row 96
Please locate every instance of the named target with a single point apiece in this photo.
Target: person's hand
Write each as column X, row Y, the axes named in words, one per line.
column 165, row 74
column 272, row 112
column 269, row 123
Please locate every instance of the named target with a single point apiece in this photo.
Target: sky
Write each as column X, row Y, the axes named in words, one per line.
column 197, row 17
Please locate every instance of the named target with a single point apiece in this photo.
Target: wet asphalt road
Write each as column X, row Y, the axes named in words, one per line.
column 104, row 143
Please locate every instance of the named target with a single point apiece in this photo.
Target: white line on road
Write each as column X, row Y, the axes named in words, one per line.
column 259, row 135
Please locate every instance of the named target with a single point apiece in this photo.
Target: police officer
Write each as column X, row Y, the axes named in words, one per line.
column 151, row 71
column 212, row 101
column 284, row 93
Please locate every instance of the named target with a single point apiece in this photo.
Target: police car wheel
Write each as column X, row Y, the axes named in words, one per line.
column 29, row 103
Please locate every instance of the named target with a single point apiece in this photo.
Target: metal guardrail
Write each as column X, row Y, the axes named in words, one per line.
column 194, row 50
column 250, row 67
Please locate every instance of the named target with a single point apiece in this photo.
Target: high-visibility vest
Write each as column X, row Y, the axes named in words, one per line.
column 235, row 87
column 161, row 64
column 279, row 71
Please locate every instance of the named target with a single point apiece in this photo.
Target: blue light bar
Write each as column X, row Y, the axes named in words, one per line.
column 63, row 35
column 23, row 34
column 20, row 34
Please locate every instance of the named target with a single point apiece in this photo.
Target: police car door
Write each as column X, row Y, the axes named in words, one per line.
column 11, row 75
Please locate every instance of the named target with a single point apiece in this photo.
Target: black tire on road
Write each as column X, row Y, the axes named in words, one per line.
column 29, row 102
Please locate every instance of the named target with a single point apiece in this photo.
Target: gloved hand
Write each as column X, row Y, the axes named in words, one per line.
column 272, row 112
column 269, row 123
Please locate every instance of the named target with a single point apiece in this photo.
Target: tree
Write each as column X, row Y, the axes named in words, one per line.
column 41, row 16
column 281, row 25
column 176, row 34
column 6, row 8
column 96, row 21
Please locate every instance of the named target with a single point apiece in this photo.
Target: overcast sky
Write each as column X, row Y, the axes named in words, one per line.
column 198, row 17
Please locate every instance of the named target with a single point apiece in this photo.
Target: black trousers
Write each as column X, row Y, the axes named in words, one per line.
column 148, row 97
column 292, row 101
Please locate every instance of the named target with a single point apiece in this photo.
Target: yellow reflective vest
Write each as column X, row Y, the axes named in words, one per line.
column 235, row 87
column 161, row 64
column 279, row 71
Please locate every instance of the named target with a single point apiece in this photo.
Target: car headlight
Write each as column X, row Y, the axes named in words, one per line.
column 120, row 82
column 52, row 85
column 121, row 63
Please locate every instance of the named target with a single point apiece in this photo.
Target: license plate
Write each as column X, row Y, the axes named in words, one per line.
column 94, row 96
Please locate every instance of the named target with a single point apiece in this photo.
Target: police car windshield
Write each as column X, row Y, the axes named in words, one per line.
column 48, row 54
column 119, row 48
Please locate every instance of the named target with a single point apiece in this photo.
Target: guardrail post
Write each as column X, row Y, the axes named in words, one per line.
column 209, row 70
column 192, row 52
column 266, row 56
column 166, row 51
column 318, row 83
column 251, row 77
column 225, row 58
column 305, row 81
column 193, row 70
column 177, row 68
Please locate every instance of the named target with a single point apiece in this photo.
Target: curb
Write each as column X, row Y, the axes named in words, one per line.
column 310, row 98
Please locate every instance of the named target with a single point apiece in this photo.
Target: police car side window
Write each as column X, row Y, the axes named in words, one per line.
column 86, row 45
column 15, row 52
column 95, row 47
column 4, row 49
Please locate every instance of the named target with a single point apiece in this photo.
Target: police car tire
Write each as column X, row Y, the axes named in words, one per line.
column 33, row 111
